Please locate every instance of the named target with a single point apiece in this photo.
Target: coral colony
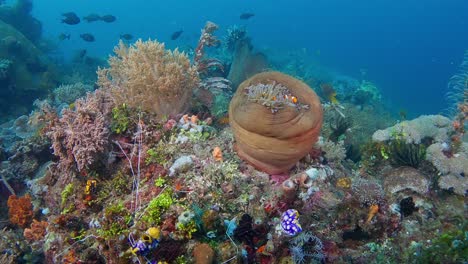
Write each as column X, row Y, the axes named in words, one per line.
column 163, row 160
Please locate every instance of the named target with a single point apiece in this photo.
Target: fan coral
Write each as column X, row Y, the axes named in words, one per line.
column 80, row 135
column 148, row 77
column 20, row 210
column 275, row 119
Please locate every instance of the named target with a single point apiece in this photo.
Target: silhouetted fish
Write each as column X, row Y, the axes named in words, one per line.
column 81, row 53
column 87, row 37
column 246, row 15
column 70, row 18
column 64, row 36
column 92, row 17
column 126, row 36
column 108, row 18
column 176, row 34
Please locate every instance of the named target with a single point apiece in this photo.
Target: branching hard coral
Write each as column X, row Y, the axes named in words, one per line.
column 81, row 135
column 146, row 76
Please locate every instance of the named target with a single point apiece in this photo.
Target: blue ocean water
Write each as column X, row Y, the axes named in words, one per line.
column 408, row 48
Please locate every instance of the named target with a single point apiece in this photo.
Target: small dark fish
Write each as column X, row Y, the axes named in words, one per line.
column 81, row 53
column 70, row 18
column 176, row 34
column 246, row 16
column 126, row 36
column 87, row 37
column 92, row 17
column 64, row 36
column 108, row 18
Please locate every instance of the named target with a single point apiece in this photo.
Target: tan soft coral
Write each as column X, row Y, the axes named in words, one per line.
column 146, row 76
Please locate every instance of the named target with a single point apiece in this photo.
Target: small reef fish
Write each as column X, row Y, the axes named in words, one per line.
column 246, row 16
column 92, row 18
column 126, row 36
column 108, row 18
column 87, row 37
column 70, row 18
column 64, row 36
column 176, row 34
column 80, row 54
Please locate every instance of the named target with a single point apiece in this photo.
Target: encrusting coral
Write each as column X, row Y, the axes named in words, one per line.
column 147, row 76
column 275, row 119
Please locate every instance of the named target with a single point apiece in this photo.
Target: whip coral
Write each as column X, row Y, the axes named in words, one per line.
column 20, row 210
column 149, row 77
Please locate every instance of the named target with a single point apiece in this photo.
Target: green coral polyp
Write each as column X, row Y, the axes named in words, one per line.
column 120, row 119
column 66, row 193
column 156, row 155
column 157, row 206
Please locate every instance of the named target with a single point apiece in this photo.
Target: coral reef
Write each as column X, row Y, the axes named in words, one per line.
column 282, row 132
column 148, row 77
column 141, row 185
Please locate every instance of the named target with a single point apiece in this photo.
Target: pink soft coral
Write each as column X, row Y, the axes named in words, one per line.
column 80, row 135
